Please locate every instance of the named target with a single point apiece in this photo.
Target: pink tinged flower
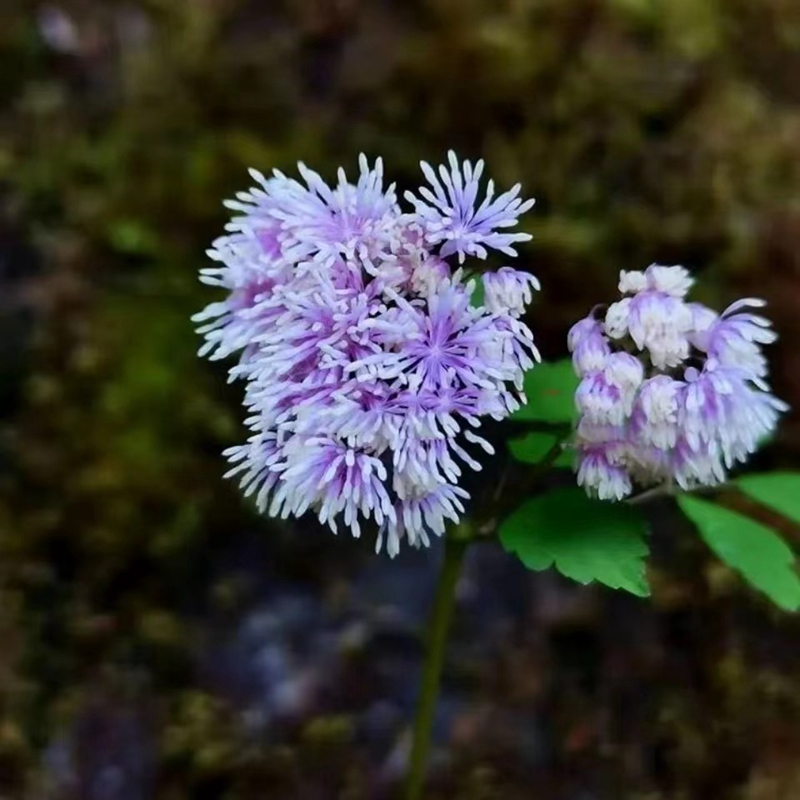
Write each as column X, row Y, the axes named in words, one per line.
column 606, row 397
column 366, row 415
column 591, row 355
column 307, row 330
column 692, row 430
column 599, row 401
column 255, row 464
column 736, row 336
column 508, row 342
column 754, row 415
column 600, row 433
column 588, row 345
column 451, row 338
column 700, row 465
column 580, row 330
column 255, row 206
column 448, row 213
column 601, row 471
column 508, row 291
column 674, row 281
column 626, row 372
column 660, row 323
column 706, row 405
column 421, row 463
column 647, row 463
column 268, row 234
column 727, row 415
column 232, row 324
column 655, row 415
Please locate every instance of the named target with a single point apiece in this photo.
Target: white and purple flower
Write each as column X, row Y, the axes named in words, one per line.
column 605, row 396
column 509, row 291
column 448, row 212
column 589, row 346
column 368, row 366
column 696, row 403
column 602, row 470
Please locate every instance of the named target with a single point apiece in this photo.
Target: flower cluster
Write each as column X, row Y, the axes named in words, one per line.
column 669, row 389
column 368, row 365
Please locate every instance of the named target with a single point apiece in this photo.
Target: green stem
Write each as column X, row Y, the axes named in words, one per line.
column 439, row 625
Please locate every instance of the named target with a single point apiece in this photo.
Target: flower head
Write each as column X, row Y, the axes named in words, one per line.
column 589, row 346
column 368, row 365
column 605, row 396
column 449, row 213
column 601, row 469
column 670, row 390
column 655, row 414
column 508, row 291
column 659, row 323
column 735, row 337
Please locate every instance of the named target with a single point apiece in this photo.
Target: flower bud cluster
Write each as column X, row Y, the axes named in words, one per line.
column 670, row 390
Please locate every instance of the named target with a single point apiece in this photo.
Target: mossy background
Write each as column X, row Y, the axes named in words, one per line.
column 157, row 638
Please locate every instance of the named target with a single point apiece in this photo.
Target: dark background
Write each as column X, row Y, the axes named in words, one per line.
column 158, row 639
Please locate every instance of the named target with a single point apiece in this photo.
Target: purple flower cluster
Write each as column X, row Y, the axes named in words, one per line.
column 368, row 366
column 669, row 389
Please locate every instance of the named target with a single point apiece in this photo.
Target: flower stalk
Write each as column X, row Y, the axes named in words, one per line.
column 439, row 625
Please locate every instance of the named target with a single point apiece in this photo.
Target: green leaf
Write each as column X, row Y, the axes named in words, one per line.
column 550, row 389
column 778, row 490
column 534, row 446
column 749, row 547
column 586, row 540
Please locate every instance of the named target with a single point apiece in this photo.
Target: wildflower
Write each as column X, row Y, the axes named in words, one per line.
column 589, row 346
column 368, row 366
column 689, row 405
column 655, row 317
column 509, row 291
column 605, row 396
column 728, row 407
column 734, row 338
column 659, row 323
column 601, row 464
column 655, row 415
column 448, row 214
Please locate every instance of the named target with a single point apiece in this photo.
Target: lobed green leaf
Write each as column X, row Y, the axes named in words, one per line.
column 586, row 540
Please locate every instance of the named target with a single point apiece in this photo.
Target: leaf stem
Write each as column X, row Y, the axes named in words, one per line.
column 668, row 489
column 439, row 625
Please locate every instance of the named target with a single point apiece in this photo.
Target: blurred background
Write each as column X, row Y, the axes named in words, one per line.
column 157, row 638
